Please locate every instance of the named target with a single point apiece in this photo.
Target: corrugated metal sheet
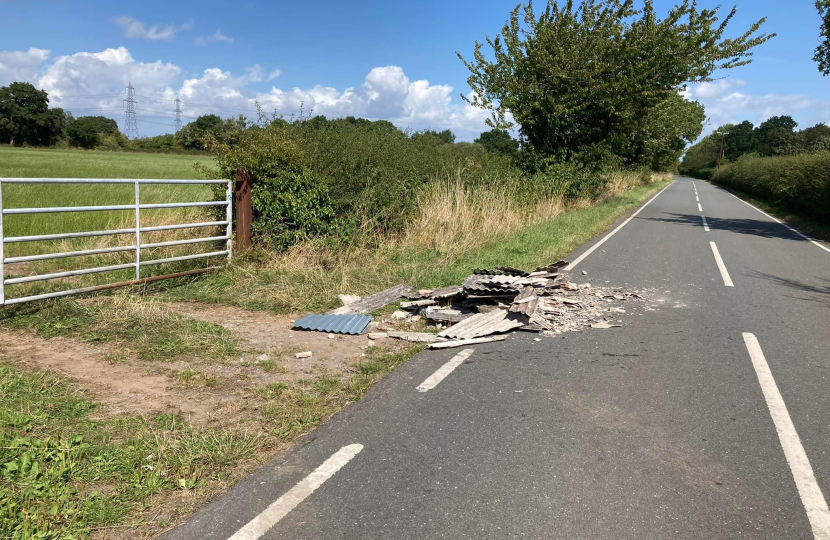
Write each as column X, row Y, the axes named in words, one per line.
column 337, row 324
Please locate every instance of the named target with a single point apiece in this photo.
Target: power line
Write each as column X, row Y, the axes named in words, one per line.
column 130, row 127
column 178, row 114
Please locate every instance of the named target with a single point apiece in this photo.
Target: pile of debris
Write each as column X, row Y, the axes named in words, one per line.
column 489, row 302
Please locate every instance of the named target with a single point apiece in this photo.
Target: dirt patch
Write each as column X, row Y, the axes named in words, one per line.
column 121, row 388
column 272, row 335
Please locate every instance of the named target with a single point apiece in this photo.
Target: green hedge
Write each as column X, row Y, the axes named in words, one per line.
column 800, row 183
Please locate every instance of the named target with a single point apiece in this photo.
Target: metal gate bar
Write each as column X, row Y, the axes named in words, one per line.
column 136, row 207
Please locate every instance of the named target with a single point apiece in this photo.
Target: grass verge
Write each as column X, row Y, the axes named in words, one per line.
column 66, row 475
column 441, row 249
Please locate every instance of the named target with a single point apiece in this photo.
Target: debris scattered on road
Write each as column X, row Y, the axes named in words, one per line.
column 605, row 325
column 421, row 337
column 464, row 342
column 375, row 301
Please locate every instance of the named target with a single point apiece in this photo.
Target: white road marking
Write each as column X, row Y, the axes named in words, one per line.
column 792, row 229
column 279, row 508
column 722, row 267
column 612, row 233
column 805, row 480
column 705, row 225
column 696, row 197
column 699, row 207
column 442, row 372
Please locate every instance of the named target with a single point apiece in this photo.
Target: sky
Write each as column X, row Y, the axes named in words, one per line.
column 375, row 59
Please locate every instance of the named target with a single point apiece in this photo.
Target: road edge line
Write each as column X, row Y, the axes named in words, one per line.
column 612, row 233
column 775, row 219
column 805, row 479
column 286, row 503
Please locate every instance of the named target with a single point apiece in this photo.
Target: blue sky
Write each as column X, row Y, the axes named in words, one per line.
column 393, row 60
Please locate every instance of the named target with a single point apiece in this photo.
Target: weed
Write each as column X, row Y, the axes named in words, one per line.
column 270, row 366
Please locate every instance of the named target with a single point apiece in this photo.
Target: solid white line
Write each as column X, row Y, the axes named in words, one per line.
column 699, row 207
column 612, row 233
column 705, row 225
column 805, row 480
column 279, row 508
column 442, row 372
column 722, row 267
column 791, row 228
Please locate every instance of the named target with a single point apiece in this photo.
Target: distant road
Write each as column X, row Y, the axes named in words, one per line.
column 707, row 415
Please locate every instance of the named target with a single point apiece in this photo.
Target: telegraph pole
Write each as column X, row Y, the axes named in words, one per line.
column 178, row 112
column 130, row 126
column 723, row 135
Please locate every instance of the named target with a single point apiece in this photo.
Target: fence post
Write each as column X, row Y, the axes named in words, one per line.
column 229, row 218
column 137, row 232
column 2, row 251
column 244, row 211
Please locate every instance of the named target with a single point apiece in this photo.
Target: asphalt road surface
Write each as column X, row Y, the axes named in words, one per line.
column 706, row 415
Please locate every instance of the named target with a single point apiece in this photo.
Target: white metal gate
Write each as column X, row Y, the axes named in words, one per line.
column 136, row 231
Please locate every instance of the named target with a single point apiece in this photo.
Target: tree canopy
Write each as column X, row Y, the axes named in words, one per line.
column 25, row 116
column 822, row 55
column 85, row 130
column 591, row 80
column 499, row 141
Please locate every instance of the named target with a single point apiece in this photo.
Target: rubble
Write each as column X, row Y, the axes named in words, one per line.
column 495, row 301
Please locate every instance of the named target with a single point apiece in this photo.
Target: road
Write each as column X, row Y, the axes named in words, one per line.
column 705, row 416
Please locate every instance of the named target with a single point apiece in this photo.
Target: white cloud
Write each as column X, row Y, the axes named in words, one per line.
column 727, row 101
column 21, row 65
column 217, row 36
column 133, row 28
column 93, row 83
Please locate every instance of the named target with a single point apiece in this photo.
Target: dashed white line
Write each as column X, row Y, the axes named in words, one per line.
column 805, row 480
column 722, row 267
column 279, row 508
column 792, row 229
column 696, row 197
column 705, row 225
column 612, row 233
column 442, row 372
column 699, row 207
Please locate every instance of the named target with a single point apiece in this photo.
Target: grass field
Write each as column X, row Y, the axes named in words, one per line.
column 27, row 163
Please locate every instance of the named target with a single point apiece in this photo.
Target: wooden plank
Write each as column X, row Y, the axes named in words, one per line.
column 418, row 303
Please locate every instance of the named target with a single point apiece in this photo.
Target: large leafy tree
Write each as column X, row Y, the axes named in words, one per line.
column 582, row 77
column 822, row 55
column 193, row 135
column 740, row 139
column 499, row 141
column 25, row 116
column 85, row 130
column 776, row 136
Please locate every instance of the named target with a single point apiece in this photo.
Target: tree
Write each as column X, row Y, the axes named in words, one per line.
column 740, row 141
column 814, row 139
column 776, row 136
column 822, row 55
column 433, row 137
column 25, row 116
column 194, row 134
column 499, row 141
column 579, row 79
column 85, row 131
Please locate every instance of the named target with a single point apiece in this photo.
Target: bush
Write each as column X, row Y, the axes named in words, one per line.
column 800, row 183
column 290, row 208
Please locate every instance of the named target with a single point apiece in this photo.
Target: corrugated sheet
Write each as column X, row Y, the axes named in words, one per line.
column 484, row 324
column 336, row 324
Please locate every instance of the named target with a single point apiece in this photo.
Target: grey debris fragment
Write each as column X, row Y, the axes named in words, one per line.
column 304, row 354
column 418, row 303
column 464, row 342
column 378, row 300
column 604, row 325
column 418, row 337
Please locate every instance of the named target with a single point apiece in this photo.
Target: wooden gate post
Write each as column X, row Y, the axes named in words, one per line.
column 244, row 211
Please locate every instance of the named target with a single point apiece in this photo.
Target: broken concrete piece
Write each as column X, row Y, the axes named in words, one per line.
column 304, row 354
column 464, row 342
column 415, row 318
column 400, row 315
column 378, row 300
column 419, row 337
column 604, row 325
column 418, row 303
column 377, row 335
